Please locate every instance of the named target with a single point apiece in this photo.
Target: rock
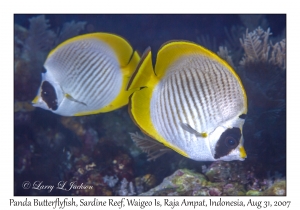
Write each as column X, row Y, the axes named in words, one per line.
column 186, row 182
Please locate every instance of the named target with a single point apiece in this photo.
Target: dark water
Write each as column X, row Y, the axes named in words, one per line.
column 153, row 30
column 51, row 148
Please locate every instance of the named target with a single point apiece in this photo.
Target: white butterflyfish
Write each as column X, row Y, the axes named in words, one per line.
column 87, row 74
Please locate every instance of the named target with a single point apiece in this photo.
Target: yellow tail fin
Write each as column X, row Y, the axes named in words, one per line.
column 144, row 75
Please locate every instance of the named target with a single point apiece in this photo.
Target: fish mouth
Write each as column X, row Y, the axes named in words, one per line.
column 243, row 153
column 35, row 100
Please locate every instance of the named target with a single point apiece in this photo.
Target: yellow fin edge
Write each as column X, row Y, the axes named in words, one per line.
column 118, row 44
column 144, row 75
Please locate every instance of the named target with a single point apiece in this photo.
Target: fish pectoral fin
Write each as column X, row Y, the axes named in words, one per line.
column 191, row 130
column 68, row 96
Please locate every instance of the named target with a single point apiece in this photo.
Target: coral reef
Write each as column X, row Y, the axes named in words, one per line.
column 110, row 180
column 236, row 174
column 137, row 186
column 74, row 125
column 278, row 188
column 90, row 175
column 150, row 146
column 186, row 182
column 257, row 49
column 126, row 188
column 23, row 106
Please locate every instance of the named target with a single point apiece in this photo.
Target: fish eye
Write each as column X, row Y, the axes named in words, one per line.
column 227, row 142
column 48, row 95
column 230, row 142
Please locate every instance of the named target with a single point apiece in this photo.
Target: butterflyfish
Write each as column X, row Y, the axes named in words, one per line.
column 87, row 74
column 192, row 102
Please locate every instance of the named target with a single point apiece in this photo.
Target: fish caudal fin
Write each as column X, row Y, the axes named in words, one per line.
column 142, row 83
column 144, row 75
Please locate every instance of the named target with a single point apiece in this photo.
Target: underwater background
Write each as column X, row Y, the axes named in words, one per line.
column 97, row 150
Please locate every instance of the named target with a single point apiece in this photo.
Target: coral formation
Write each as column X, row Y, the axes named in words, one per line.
column 264, row 76
column 257, row 49
column 73, row 125
column 126, row 188
column 23, row 106
column 186, row 182
column 110, row 180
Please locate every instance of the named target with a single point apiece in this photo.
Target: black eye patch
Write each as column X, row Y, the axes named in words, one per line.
column 49, row 96
column 227, row 142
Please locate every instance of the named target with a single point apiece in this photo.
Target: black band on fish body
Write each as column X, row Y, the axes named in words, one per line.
column 49, row 96
column 44, row 70
column 227, row 142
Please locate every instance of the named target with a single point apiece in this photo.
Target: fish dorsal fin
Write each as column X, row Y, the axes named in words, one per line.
column 119, row 45
column 171, row 51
